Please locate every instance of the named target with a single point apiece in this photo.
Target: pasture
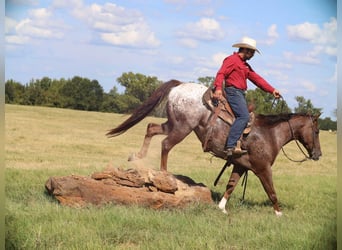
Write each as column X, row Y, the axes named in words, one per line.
column 43, row 142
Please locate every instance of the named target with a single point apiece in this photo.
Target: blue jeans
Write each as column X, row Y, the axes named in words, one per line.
column 237, row 101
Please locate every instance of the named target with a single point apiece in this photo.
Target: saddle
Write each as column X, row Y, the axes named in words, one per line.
column 222, row 109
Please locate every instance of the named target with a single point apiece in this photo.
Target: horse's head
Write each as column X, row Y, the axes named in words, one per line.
column 309, row 136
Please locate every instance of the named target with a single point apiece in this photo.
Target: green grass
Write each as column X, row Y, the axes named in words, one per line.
column 44, row 142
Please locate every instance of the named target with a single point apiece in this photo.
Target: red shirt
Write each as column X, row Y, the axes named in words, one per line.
column 235, row 71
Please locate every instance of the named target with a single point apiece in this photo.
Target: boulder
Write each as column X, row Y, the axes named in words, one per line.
column 145, row 187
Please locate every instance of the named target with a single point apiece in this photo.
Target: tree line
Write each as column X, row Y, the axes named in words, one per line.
column 84, row 94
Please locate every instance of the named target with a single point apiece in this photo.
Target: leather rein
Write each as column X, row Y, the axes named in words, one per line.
column 306, row 157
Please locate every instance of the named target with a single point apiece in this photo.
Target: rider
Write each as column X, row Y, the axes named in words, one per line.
column 232, row 78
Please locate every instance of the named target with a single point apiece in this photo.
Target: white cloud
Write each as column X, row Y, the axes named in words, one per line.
column 206, row 29
column 333, row 78
column 272, row 34
column 305, row 31
column 278, row 75
column 218, row 58
column 206, row 66
column 39, row 14
column 10, row 24
column 324, row 40
column 309, row 86
column 308, row 58
column 109, row 23
column 72, row 4
column 176, row 1
column 32, row 29
column 175, row 59
column 313, row 33
column 40, row 24
column 188, row 42
column 280, row 65
column 116, row 25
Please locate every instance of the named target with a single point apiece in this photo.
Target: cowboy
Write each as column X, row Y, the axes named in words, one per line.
column 231, row 78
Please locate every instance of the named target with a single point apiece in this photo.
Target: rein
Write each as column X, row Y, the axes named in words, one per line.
column 298, row 145
column 293, row 136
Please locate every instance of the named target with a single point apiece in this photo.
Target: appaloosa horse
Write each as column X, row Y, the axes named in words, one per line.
column 186, row 113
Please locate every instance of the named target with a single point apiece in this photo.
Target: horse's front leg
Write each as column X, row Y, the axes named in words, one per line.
column 152, row 130
column 267, row 182
column 235, row 176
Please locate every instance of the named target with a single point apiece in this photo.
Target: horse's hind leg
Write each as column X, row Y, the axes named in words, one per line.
column 174, row 137
column 235, row 176
column 152, row 130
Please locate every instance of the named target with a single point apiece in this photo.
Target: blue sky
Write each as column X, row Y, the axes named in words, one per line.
column 176, row 39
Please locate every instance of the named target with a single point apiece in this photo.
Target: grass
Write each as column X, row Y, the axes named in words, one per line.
column 43, row 142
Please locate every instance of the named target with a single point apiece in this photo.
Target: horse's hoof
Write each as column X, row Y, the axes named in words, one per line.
column 222, row 205
column 133, row 157
column 278, row 213
column 224, row 211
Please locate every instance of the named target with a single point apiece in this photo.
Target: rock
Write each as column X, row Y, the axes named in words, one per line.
column 145, row 187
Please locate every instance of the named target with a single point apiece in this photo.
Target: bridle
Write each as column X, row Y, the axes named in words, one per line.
column 306, row 157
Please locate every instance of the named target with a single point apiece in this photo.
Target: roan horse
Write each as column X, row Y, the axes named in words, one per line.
column 186, row 113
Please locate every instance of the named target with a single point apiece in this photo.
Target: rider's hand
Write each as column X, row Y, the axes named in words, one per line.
column 276, row 93
column 218, row 94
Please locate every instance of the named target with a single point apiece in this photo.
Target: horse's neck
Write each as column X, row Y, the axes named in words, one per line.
column 284, row 133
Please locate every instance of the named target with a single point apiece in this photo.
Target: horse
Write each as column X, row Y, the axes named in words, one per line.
column 186, row 112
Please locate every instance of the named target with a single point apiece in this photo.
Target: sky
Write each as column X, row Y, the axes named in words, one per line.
column 176, row 39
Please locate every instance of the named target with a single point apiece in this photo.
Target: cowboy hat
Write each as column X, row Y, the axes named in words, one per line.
column 248, row 43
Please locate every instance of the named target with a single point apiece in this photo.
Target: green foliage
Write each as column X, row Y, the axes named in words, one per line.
column 206, row 81
column 14, row 92
column 138, row 88
column 306, row 106
column 138, row 85
column 327, row 124
column 77, row 93
column 83, row 94
column 265, row 103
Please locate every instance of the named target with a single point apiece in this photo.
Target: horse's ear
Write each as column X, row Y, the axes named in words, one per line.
column 317, row 116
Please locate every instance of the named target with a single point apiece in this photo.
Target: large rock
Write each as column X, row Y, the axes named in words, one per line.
column 146, row 187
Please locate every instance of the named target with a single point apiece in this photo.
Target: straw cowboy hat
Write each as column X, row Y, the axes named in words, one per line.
column 248, row 43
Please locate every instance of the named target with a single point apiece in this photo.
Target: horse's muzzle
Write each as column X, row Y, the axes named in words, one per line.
column 315, row 156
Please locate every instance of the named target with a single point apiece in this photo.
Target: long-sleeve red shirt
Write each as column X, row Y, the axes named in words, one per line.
column 235, row 71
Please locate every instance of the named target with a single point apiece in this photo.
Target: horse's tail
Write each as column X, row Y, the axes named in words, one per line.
column 144, row 109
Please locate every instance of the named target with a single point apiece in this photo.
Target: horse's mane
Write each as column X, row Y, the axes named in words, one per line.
column 275, row 119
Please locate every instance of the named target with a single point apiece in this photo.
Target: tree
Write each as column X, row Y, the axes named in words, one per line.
column 306, row 106
column 206, row 81
column 138, row 88
column 53, row 95
column 327, row 124
column 82, row 94
column 35, row 91
column 109, row 103
column 14, row 92
column 265, row 103
column 118, row 103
